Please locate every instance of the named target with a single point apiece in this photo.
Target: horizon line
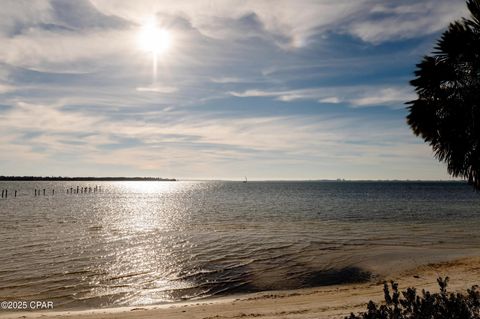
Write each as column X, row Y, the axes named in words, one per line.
column 156, row 178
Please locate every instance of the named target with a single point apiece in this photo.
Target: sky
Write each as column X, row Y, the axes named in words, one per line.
column 298, row 90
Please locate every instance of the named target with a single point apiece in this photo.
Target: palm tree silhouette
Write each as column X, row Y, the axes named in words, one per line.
column 446, row 113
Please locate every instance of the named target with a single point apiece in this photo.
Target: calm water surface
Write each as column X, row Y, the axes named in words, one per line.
column 137, row 243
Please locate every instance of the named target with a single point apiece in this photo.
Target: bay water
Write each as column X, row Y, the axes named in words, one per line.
column 140, row 243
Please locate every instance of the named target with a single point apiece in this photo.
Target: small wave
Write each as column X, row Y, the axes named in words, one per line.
column 95, row 228
column 124, row 276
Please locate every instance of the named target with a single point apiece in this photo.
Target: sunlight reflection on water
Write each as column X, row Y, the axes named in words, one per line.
column 136, row 243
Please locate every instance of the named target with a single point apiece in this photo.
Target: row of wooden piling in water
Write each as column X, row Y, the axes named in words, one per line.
column 5, row 193
column 83, row 190
column 68, row 191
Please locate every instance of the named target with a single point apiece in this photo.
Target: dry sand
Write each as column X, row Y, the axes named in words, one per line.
column 323, row 302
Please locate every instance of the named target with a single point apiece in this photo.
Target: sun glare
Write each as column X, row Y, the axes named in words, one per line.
column 154, row 39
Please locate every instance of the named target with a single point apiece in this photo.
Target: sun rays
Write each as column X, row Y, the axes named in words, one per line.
column 154, row 40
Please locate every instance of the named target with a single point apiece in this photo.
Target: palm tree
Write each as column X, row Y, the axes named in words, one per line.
column 446, row 113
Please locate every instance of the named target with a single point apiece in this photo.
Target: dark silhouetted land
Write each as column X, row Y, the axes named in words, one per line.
column 107, row 179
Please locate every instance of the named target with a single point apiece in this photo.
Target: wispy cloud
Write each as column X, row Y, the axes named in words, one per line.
column 228, row 80
column 158, row 89
column 331, row 99
column 384, row 96
column 4, row 88
column 355, row 96
column 406, row 20
column 295, row 23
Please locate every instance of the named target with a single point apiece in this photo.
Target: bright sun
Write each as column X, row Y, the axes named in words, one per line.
column 154, row 39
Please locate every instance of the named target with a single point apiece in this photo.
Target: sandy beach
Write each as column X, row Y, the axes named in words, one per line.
column 323, row 302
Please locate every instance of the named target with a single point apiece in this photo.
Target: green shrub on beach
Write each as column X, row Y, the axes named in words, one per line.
column 409, row 305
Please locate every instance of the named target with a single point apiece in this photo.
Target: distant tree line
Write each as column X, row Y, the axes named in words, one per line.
column 62, row 178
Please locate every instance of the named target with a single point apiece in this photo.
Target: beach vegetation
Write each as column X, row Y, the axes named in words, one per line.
column 446, row 113
column 410, row 305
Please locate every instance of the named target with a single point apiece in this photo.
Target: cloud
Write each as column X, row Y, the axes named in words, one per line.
column 221, row 19
column 292, row 24
column 43, row 50
column 224, row 80
column 39, row 117
column 384, row 96
column 15, row 16
column 285, row 95
column 180, row 143
column 23, row 16
column 158, row 89
column 394, row 21
column 60, row 36
column 355, row 96
column 81, row 14
column 261, row 86
column 331, row 99
column 257, row 93
column 5, row 88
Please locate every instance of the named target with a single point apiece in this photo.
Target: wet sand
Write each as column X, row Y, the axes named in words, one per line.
column 324, row 302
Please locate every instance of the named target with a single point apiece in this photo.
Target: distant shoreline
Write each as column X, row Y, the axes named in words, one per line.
column 120, row 179
column 104, row 179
